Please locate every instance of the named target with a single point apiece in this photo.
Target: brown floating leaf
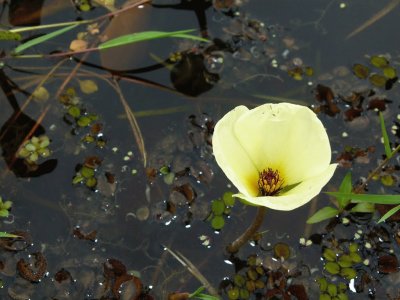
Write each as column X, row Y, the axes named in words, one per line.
column 62, row 275
column 379, row 104
column 282, row 251
column 188, row 191
column 360, row 71
column 325, row 94
column 352, row 113
column 91, row 236
column 37, row 272
column 388, row 264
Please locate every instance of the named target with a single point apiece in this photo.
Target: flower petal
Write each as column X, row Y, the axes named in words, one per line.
column 296, row 197
column 286, row 137
column 231, row 156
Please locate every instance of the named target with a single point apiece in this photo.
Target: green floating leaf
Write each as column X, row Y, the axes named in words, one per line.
column 363, row 207
column 9, row 36
column 390, row 72
column 217, row 222
column 218, row 207
column 228, row 199
column 389, row 214
column 379, row 61
column 361, row 71
column 42, row 39
column 386, row 143
column 377, row 80
column 148, row 35
column 388, row 180
column 345, row 187
column 371, row 198
column 324, row 213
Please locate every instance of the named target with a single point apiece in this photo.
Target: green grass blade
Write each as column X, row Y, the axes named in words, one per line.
column 389, row 213
column 371, row 198
column 42, row 39
column 386, row 143
column 4, row 234
column 324, row 213
column 346, row 186
column 148, row 35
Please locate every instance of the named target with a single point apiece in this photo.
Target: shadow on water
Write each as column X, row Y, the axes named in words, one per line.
column 15, row 131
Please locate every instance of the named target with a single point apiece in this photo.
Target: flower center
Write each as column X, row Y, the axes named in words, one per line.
column 269, row 182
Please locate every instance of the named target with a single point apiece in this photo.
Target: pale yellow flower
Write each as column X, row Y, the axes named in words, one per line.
column 277, row 155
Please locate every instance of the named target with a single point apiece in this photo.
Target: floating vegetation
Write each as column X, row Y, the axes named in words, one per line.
column 5, row 207
column 383, row 77
column 220, row 210
column 35, row 148
column 85, row 173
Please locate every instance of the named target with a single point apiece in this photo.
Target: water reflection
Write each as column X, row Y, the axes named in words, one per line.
column 13, row 133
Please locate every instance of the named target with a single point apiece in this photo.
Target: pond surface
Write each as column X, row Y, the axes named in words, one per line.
column 130, row 172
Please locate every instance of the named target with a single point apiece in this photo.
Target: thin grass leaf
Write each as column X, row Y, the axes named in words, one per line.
column 371, row 198
column 4, row 234
column 42, row 39
column 324, row 213
column 148, row 35
column 345, row 187
column 197, row 294
column 386, row 143
column 389, row 214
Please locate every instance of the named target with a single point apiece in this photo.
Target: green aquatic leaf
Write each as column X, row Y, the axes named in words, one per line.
column 379, row 61
column 42, row 39
column 377, row 80
column 324, row 213
column 197, row 294
column 386, row 143
column 371, row 198
column 390, row 72
column 148, row 35
column 363, row 207
column 6, row 35
column 360, row 71
column 389, row 214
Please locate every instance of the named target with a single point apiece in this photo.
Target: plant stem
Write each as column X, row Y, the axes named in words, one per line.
column 249, row 233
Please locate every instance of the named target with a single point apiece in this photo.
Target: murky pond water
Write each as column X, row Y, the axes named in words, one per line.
column 130, row 172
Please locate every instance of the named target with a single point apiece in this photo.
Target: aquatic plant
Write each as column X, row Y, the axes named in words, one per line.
column 277, row 155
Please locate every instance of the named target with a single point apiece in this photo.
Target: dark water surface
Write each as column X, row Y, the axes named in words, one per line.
column 175, row 114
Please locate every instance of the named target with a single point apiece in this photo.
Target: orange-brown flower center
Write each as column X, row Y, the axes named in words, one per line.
column 269, row 182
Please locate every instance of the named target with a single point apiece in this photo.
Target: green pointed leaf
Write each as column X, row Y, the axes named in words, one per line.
column 363, row 207
column 346, row 186
column 324, row 213
column 148, row 35
column 7, row 235
column 389, row 214
column 386, row 143
column 42, row 39
column 371, row 198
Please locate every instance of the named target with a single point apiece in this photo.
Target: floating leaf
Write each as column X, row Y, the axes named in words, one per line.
column 324, row 213
column 363, row 207
column 91, row 182
column 218, row 207
column 87, row 172
column 228, row 199
column 281, row 251
column 84, row 121
column 9, row 36
column 41, row 94
column 348, row 273
column 88, row 86
column 377, row 80
column 390, row 72
column 74, row 111
column 361, row 71
column 379, row 61
column 388, row 180
column 78, row 45
column 332, row 267
column 217, row 222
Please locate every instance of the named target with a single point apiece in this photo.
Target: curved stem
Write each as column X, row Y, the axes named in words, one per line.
column 249, row 233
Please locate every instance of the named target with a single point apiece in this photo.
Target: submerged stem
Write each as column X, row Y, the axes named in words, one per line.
column 250, row 231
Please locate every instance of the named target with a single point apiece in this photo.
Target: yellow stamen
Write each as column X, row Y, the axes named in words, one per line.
column 269, row 182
